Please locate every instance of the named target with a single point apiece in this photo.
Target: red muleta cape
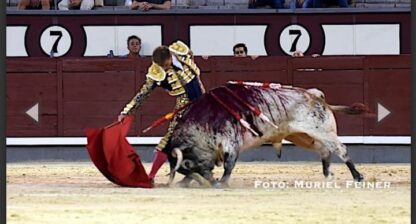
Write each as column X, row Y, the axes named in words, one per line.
column 114, row 157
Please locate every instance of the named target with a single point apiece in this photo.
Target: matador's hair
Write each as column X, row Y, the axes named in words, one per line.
column 161, row 54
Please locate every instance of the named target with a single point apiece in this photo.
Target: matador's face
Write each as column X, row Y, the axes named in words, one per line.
column 167, row 64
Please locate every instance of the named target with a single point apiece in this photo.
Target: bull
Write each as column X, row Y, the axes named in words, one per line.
column 208, row 135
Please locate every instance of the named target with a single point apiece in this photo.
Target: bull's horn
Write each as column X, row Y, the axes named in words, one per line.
column 179, row 157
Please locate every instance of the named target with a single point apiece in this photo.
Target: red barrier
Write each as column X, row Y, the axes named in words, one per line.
column 74, row 93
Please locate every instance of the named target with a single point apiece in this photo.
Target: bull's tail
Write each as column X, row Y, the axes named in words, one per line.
column 355, row 109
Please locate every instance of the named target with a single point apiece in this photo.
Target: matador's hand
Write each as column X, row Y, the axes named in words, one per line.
column 121, row 116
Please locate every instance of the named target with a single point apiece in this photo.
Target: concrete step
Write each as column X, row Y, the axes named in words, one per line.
column 181, row 2
column 381, row 1
column 233, row 2
column 379, row 5
column 243, row 4
column 403, row 5
column 223, row 7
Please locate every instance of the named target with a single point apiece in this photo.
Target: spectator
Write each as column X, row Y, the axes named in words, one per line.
column 240, row 51
column 150, row 4
column 294, row 4
column 98, row 4
column 275, row 4
column 76, row 4
column 298, row 54
column 324, row 3
column 34, row 4
column 134, row 45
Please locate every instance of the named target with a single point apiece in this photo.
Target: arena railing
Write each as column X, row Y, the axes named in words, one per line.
column 12, row 10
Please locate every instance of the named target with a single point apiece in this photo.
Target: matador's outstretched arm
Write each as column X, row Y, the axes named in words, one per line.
column 137, row 100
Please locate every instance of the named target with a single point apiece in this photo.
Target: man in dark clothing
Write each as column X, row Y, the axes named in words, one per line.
column 275, row 4
column 324, row 3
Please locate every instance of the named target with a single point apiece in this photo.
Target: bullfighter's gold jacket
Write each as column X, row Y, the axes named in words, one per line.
column 183, row 71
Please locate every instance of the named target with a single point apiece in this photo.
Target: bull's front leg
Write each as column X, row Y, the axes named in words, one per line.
column 200, row 179
column 207, row 174
column 185, row 182
column 230, row 158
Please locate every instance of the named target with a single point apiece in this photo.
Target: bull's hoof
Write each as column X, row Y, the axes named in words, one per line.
column 216, row 185
column 359, row 178
column 220, row 185
column 330, row 176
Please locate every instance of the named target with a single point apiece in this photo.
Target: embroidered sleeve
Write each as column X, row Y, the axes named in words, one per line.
column 137, row 100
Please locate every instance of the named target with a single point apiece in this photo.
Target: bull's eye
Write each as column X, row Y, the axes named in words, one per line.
column 187, row 164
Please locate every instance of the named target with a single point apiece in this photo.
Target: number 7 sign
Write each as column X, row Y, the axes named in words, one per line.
column 55, row 40
column 294, row 38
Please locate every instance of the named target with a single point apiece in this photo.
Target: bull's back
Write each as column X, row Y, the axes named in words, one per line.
column 207, row 120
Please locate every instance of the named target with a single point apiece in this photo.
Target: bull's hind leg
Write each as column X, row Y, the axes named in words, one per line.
column 341, row 151
column 307, row 142
column 326, row 162
column 278, row 147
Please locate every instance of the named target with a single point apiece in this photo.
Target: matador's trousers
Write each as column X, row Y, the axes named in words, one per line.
column 181, row 100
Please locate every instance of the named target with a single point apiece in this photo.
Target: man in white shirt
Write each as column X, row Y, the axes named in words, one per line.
column 76, row 4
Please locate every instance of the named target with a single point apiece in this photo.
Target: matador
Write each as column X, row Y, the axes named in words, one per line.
column 173, row 68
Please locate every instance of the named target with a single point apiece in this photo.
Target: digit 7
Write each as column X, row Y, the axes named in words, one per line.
column 295, row 42
column 55, row 45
